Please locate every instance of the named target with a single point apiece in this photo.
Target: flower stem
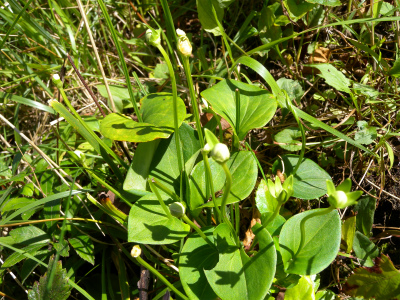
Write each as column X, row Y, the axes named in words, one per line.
column 228, row 184
column 193, row 100
column 155, row 191
column 161, row 277
column 175, row 103
column 198, row 230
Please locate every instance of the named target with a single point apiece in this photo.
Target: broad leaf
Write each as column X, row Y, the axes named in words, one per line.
column 84, row 247
column 292, row 87
column 197, row 256
column 148, row 223
column 158, row 122
column 60, row 288
column 136, row 178
column 257, row 106
column 206, row 16
column 364, row 249
column 395, row 70
column 365, row 218
column 380, row 282
column 321, row 241
column 333, row 77
column 348, row 232
column 158, row 159
column 302, row 290
column 309, row 182
column 297, row 8
column 366, row 134
column 29, row 235
column 237, row 276
column 289, row 139
column 120, row 96
column 244, row 172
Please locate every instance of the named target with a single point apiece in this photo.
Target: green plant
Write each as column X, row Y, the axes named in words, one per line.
column 183, row 187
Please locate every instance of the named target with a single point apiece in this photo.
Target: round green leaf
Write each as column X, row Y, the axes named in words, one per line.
column 292, row 87
column 257, row 106
column 197, row 256
column 288, row 139
column 321, row 241
column 237, row 276
column 148, row 223
column 158, row 122
column 309, row 182
column 297, row 8
column 244, row 172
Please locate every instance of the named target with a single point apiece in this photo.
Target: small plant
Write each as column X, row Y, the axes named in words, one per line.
column 197, row 180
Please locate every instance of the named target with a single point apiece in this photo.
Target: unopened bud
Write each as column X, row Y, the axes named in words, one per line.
column 184, row 45
column 177, row 209
column 220, row 153
column 136, row 251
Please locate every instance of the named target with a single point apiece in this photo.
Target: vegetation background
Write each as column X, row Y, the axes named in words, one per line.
column 292, row 39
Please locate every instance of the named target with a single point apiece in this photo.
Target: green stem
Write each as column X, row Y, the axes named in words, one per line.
column 155, row 191
column 210, row 181
column 166, row 190
column 273, row 216
column 315, row 213
column 193, row 100
column 175, row 103
column 121, row 58
column 106, row 185
column 161, row 277
column 198, row 230
column 228, row 185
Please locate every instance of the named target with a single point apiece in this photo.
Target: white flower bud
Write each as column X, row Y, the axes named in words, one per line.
column 177, row 209
column 220, row 153
column 184, row 45
column 136, row 251
column 206, row 148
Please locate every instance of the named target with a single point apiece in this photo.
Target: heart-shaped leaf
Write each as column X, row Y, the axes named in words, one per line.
column 257, row 106
column 297, row 8
column 244, row 172
column 159, row 160
column 158, row 121
column 289, row 139
column 309, row 182
column 237, row 276
column 197, row 256
column 149, row 224
column 321, row 240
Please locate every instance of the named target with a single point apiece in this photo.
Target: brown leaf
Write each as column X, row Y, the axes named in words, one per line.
column 320, row 56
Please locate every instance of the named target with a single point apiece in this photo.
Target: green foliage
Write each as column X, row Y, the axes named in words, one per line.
column 215, row 217
column 379, row 282
column 59, row 290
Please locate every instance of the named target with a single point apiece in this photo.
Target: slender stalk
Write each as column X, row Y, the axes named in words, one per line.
column 166, row 190
column 162, row 203
column 175, row 103
column 193, row 100
column 198, row 230
column 161, row 277
column 228, row 185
